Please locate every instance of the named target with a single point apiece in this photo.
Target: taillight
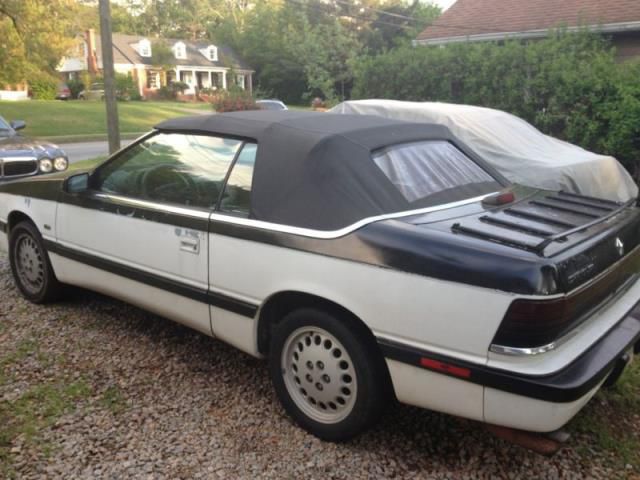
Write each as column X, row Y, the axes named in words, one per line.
column 535, row 323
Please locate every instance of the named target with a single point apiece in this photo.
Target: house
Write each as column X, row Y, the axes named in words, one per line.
column 199, row 64
column 496, row 20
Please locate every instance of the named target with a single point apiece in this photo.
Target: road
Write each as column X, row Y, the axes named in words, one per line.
column 85, row 150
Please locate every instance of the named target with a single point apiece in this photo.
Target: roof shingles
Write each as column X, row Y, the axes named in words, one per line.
column 477, row 17
column 124, row 52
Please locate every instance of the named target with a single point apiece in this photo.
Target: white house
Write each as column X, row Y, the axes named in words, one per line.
column 199, row 64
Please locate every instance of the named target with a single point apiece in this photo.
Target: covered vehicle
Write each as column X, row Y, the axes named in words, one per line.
column 22, row 156
column 514, row 147
column 367, row 258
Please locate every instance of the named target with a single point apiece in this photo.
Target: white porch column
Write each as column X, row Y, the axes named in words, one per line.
column 224, row 80
column 210, row 79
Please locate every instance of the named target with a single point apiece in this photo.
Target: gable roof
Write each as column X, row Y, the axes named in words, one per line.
column 496, row 19
column 124, row 52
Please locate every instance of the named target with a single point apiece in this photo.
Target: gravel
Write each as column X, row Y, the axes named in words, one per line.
column 153, row 399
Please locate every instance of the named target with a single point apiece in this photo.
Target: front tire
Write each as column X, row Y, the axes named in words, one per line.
column 31, row 266
column 329, row 378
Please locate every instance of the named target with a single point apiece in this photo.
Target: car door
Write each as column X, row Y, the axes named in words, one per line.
column 140, row 232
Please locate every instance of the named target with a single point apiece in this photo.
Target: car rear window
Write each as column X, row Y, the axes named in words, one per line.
column 426, row 169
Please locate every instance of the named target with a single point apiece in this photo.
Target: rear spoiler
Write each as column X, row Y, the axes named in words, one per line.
column 541, row 218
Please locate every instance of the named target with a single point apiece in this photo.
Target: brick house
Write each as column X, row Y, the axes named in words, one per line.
column 199, row 64
column 496, row 20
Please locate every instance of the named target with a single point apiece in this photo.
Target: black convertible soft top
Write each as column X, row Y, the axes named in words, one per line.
column 314, row 170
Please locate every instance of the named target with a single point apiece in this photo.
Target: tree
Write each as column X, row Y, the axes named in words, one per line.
column 188, row 19
column 35, row 35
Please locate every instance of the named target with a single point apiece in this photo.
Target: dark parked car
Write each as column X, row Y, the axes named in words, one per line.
column 22, row 156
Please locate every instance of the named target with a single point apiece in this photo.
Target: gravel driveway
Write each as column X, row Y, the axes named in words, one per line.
column 93, row 388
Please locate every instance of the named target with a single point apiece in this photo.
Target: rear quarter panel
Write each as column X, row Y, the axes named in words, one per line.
column 440, row 316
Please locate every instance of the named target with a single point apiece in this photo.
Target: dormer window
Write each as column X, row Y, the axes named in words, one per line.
column 144, row 48
column 212, row 53
column 180, row 51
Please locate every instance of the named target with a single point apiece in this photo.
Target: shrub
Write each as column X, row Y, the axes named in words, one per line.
column 75, row 86
column 171, row 91
column 568, row 85
column 125, row 86
column 233, row 100
column 43, row 88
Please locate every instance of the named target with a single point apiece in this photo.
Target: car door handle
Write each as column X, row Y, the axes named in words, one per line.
column 191, row 246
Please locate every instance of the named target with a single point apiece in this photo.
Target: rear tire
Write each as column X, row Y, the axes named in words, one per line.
column 31, row 266
column 329, row 378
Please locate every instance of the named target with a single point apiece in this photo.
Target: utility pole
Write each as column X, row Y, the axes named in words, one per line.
column 113, row 128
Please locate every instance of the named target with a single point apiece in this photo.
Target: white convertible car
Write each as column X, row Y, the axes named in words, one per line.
column 366, row 258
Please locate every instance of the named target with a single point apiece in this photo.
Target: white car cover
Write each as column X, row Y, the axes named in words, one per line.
column 514, row 147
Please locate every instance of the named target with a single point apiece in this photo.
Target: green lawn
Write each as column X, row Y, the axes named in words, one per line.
column 86, row 118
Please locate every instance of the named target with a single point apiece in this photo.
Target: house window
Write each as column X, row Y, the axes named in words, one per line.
column 144, row 48
column 186, row 77
column 240, row 80
column 180, row 51
column 153, row 79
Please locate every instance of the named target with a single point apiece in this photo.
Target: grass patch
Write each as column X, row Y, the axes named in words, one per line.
column 610, row 422
column 56, row 118
column 87, row 164
column 38, row 408
column 113, row 400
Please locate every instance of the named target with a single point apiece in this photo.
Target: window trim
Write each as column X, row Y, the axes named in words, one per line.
column 226, row 180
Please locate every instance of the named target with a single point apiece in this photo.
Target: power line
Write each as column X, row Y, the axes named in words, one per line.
column 356, row 17
column 398, row 15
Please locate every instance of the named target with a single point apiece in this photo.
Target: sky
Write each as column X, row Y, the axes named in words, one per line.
column 444, row 3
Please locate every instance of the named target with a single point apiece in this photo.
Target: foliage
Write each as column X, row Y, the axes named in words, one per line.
column 166, row 18
column 171, row 91
column 569, row 86
column 233, row 100
column 33, row 39
column 75, row 86
column 43, row 87
column 125, row 86
column 161, row 54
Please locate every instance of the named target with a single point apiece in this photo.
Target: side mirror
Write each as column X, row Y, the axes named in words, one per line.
column 76, row 183
column 18, row 124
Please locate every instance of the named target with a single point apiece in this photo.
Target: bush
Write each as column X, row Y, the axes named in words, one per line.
column 171, row 91
column 75, row 86
column 44, row 88
column 125, row 87
column 568, row 85
column 233, row 100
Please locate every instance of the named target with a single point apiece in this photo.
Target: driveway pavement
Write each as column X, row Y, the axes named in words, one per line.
column 85, row 150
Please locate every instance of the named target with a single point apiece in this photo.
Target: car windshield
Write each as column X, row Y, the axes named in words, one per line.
column 5, row 128
column 432, row 172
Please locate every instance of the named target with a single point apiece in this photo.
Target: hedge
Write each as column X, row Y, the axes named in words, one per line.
column 568, row 85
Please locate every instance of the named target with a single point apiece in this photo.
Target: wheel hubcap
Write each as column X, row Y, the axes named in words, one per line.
column 319, row 374
column 29, row 263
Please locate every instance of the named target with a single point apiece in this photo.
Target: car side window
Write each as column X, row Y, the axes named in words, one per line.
column 236, row 198
column 181, row 169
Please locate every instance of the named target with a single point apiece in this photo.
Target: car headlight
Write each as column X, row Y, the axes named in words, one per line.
column 60, row 164
column 46, row 165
